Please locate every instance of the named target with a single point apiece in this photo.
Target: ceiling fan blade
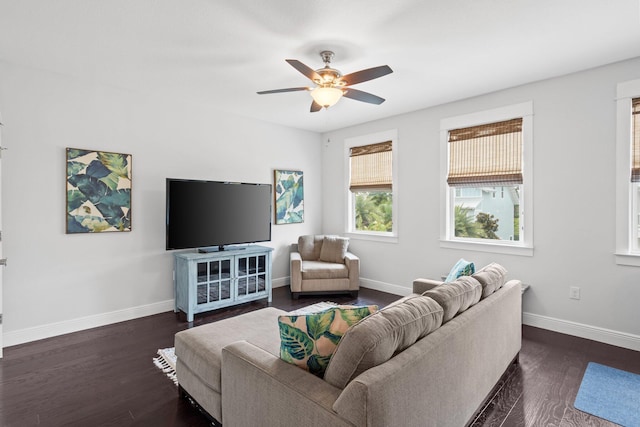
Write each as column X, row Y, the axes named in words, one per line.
column 359, row 95
column 368, row 74
column 315, row 107
column 290, row 89
column 307, row 71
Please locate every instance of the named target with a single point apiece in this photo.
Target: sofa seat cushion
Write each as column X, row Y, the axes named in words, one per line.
column 323, row 270
column 200, row 348
column 457, row 296
column 308, row 341
column 378, row 337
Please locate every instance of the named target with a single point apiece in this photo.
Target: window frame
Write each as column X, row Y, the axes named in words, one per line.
column 626, row 191
column 523, row 247
column 373, row 138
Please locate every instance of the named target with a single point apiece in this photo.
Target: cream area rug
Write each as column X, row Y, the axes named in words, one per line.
column 315, row 308
column 166, row 359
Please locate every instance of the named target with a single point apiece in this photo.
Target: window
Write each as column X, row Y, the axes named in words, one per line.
column 371, row 190
column 635, row 174
column 371, row 185
column 628, row 174
column 487, row 180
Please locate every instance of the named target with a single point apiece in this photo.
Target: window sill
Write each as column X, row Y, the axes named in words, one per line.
column 632, row 259
column 488, row 247
column 386, row 238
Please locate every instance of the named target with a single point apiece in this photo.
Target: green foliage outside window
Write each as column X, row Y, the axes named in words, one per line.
column 374, row 211
column 516, row 222
column 489, row 225
column 465, row 226
column 484, row 226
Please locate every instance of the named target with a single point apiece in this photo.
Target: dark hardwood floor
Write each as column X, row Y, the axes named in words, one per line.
column 105, row 376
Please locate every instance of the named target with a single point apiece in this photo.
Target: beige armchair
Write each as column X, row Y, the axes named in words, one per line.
column 322, row 264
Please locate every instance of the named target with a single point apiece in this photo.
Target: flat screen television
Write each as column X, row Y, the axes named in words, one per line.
column 208, row 215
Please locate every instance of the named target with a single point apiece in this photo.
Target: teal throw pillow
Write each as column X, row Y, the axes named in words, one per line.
column 461, row 268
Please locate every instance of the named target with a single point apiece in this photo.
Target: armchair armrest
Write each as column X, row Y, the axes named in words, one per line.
column 351, row 260
column 295, row 262
column 423, row 285
column 353, row 265
column 259, row 386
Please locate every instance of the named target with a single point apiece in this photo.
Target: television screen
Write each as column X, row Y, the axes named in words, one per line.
column 202, row 214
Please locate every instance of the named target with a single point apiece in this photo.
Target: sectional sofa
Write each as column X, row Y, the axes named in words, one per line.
column 429, row 359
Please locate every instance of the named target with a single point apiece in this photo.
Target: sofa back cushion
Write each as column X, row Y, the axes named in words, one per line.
column 457, row 296
column 309, row 247
column 309, row 340
column 376, row 338
column 334, row 249
column 491, row 277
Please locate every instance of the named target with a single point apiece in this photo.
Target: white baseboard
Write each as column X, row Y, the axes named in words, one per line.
column 25, row 335
column 384, row 287
column 607, row 336
column 279, row 283
column 365, row 283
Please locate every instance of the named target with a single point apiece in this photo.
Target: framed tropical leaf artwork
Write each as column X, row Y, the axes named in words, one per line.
column 289, row 195
column 98, row 191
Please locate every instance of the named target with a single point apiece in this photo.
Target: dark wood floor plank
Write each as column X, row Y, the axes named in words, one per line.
column 504, row 401
column 556, row 364
column 104, row 376
column 575, row 418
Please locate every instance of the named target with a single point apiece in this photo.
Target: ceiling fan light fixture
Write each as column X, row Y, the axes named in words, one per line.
column 331, row 85
column 326, row 96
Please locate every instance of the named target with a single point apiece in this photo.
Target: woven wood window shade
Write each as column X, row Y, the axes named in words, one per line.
column 488, row 154
column 635, row 150
column 371, row 167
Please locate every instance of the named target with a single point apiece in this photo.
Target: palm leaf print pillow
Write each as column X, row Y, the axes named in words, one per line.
column 308, row 341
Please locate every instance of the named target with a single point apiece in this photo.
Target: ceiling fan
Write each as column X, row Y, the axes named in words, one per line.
column 331, row 85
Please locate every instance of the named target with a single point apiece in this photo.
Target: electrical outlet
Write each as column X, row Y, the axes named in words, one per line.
column 574, row 292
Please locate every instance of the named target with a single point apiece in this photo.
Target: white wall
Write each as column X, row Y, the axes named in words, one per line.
column 574, row 205
column 57, row 283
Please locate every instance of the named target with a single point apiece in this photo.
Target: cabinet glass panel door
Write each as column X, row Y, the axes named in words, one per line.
column 242, row 277
column 214, row 281
column 262, row 273
column 252, row 275
column 225, row 279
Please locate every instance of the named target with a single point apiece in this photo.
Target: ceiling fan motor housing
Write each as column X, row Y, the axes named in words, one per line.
column 330, row 76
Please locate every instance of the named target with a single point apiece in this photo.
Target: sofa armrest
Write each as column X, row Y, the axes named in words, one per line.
column 423, row 285
column 256, row 385
column 295, row 262
column 353, row 265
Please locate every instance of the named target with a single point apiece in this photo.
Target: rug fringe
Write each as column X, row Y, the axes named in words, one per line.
column 166, row 362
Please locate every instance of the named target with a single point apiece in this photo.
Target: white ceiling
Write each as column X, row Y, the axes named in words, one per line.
column 222, row 51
